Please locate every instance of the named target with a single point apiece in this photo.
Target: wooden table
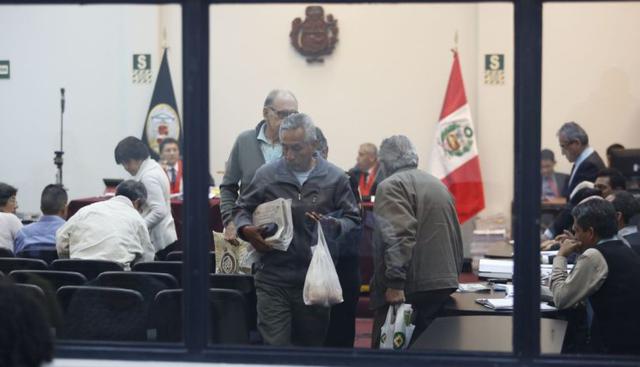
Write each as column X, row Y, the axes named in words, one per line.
column 464, row 304
column 485, row 333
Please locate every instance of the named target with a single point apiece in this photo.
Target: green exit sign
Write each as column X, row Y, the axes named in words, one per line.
column 5, row 69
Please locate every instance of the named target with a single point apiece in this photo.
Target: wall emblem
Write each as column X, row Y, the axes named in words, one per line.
column 314, row 37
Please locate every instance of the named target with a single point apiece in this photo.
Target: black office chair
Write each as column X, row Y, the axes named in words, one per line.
column 54, row 279
column 33, row 291
column 174, row 256
column 46, row 253
column 5, row 252
column 228, row 319
column 148, row 284
column 102, row 313
column 242, row 283
column 45, row 296
column 89, row 268
column 168, row 267
column 7, row 265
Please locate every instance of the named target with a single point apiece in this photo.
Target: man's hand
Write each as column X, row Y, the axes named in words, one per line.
column 253, row 235
column 331, row 224
column 569, row 246
column 546, row 245
column 230, row 233
column 394, row 296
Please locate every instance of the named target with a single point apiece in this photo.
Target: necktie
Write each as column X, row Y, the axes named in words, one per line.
column 172, row 175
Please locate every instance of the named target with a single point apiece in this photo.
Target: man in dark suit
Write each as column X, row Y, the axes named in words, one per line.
column 574, row 143
column 365, row 176
column 552, row 182
column 626, row 206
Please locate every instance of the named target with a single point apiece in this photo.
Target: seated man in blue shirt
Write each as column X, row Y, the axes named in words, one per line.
column 42, row 233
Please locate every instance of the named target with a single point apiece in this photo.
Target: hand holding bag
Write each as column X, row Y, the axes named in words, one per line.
column 321, row 285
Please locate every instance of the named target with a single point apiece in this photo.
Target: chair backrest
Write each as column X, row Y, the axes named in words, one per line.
column 168, row 267
column 47, row 253
column 45, row 296
column 148, row 284
column 102, row 313
column 88, row 268
column 7, row 265
column 228, row 317
column 243, row 283
column 33, row 291
column 178, row 256
column 51, row 278
column 5, row 252
column 174, row 256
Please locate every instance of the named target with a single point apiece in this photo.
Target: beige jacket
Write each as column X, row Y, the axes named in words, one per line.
column 417, row 241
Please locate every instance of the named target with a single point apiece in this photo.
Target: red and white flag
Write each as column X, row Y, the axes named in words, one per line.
column 454, row 158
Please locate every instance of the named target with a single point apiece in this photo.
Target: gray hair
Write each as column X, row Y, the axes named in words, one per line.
column 133, row 190
column 278, row 93
column 598, row 214
column 397, row 152
column 300, row 120
column 323, row 145
column 572, row 131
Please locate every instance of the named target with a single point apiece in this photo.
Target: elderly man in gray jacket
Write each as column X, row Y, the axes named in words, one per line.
column 252, row 149
column 318, row 189
column 417, row 242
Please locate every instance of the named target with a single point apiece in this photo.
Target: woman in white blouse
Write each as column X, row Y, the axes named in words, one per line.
column 133, row 155
column 9, row 223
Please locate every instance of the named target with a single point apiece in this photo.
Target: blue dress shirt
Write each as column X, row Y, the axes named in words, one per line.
column 40, row 232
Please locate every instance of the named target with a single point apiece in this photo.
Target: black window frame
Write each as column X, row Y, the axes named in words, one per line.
column 527, row 138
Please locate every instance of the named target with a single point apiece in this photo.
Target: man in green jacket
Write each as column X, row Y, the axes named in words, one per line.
column 417, row 241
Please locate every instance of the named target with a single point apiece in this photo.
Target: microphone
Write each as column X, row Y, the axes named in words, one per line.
column 62, row 99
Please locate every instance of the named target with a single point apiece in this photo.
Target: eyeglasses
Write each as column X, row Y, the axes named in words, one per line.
column 284, row 113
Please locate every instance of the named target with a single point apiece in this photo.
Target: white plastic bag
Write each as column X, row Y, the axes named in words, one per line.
column 321, row 285
column 397, row 330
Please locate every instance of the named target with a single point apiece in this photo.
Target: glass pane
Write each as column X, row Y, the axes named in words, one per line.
column 588, row 78
column 387, row 74
column 79, row 80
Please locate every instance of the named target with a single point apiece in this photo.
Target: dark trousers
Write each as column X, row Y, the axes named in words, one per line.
column 342, row 326
column 162, row 254
column 284, row 319
column 425, row 307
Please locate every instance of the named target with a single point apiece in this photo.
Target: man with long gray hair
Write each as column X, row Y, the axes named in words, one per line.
column 417, row 242
column 318, row 190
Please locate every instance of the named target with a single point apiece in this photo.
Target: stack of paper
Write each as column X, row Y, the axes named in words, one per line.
column 495, row 268
column 279, row 212
column 507, row 304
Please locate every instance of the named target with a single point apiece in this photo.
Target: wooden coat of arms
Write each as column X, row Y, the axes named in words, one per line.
column 314, row 37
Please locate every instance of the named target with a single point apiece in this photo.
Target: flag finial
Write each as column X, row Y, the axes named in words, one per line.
column 455, row 42
column 164, row 38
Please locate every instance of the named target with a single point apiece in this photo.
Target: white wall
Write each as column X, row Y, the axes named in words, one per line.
column 87, row 50
column 387, row 76
column 591, row 74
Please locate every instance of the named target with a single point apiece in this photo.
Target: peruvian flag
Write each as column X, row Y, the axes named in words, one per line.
column 454, row 158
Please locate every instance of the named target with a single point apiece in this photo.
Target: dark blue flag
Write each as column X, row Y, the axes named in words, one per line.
column 163, row 120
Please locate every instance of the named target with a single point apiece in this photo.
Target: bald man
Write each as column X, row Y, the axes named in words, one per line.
column 365, row 176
